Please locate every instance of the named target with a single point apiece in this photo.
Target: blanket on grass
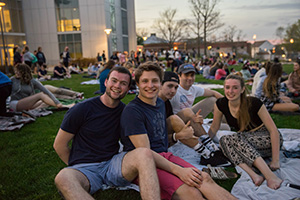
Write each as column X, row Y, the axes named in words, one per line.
column 244, row 187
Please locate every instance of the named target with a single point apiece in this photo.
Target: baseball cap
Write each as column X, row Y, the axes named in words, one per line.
column 186, row 68
column 170, row 76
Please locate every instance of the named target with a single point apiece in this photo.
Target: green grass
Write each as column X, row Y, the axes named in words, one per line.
column 28, row 163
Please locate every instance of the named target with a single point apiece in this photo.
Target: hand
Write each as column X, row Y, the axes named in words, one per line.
column 191, row 176
column 186, row 132
column 197, row 118
column 274, row 165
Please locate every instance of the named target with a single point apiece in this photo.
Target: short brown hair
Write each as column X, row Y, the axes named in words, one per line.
column 148, row 66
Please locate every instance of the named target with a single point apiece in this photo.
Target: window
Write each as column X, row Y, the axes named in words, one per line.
column 124, row 4
column 124, row 22
column 125, row 43
column 113, row 18
column 67, row 14
column 73, row 41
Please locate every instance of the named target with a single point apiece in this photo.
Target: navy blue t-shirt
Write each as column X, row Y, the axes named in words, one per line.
column 142, row 118
column 97, row 131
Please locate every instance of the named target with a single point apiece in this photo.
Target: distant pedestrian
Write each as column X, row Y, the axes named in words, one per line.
column 99, row 58
column 40, row 57
column 66, row 57
column 103, row 56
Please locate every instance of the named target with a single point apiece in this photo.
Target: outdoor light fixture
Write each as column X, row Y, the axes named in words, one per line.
column 107, row 31
column 292, row 40
column 144, row 38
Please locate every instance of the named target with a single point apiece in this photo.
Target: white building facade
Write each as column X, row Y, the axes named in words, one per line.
column 78, row 24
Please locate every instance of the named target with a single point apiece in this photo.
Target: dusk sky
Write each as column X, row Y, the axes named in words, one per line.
column 260, row 17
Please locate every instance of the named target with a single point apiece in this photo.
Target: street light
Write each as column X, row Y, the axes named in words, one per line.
column 108, row 31
column 144, row 38
column 254, row 38
column 3, row 41
column 292, row 40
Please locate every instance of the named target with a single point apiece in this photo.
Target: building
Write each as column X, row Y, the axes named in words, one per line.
column 78, row 24
column 262, row 50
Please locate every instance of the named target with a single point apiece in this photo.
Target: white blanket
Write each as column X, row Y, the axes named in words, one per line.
column 244, row 187
column 289, row 172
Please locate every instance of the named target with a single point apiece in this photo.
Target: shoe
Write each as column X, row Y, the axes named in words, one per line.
column 217, row 159
column 218, row 173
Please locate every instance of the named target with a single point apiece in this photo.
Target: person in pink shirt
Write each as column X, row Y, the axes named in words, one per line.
column 220, row 73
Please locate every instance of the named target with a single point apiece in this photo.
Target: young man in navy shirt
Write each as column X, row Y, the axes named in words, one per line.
column 144, row 125
column 93, row 160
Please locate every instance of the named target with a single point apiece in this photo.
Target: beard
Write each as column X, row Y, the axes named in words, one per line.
column 121, row 96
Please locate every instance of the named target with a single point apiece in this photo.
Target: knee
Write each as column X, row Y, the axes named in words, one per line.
column 295, row 107
column 143, row 155
column 191, row 192
column 61, row 180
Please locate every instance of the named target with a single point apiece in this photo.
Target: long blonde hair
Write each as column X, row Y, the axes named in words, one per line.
column 273, row 75
column 243, row 116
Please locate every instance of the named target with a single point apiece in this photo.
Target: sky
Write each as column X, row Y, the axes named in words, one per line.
column 259, row 17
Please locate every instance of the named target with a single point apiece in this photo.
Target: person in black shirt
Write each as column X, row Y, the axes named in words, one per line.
column 257, row 135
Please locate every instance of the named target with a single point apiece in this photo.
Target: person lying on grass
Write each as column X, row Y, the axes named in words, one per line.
column 257, row 135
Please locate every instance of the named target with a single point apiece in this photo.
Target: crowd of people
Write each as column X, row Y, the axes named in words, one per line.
column 162, row 113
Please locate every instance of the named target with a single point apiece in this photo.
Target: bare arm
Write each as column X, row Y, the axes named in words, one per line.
column 290, row 84
column 274, row 134
column 190, row 176
column 61, row 145
column 216, row 122
column 210, row 93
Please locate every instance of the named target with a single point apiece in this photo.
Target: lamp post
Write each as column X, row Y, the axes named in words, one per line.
column 254, row 38
column 108, row 31
column 3, row 41
column 292, row 41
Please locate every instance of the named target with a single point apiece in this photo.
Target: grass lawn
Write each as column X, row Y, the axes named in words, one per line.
column 28, row 162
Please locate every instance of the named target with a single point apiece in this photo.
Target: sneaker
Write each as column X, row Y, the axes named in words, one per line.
column 217, row 159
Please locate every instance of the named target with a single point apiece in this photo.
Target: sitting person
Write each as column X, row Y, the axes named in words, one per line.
column 220, row 73
column 293, row 83
column 257, row 135
column 107, row 67
column 23, row 96
column 186, row 126
column 60, row 72
column 128, row 65
column 144, row 125
column 270, row 91
column 75, row 69
column 92, row 69
column 93, row 127
column 42, row 73
column 246, row 73
column 5, row 91
column 213, row 70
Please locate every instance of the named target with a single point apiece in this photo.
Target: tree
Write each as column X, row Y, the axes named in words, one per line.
column 207, row 17
column 280, row 33
column 141, row 33
column 172, row 30
column 293, row 32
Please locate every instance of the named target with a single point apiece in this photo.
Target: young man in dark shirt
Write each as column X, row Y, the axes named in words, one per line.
column 93, row 161
column 193, row 136
column 144, row 125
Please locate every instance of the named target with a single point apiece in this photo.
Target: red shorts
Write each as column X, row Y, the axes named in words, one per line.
column 168, row 182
